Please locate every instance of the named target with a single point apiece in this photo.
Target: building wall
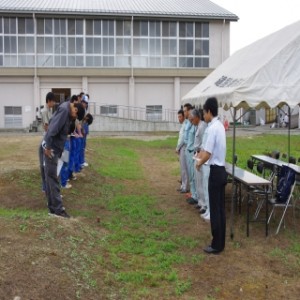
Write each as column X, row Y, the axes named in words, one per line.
column 17, row 91
column 219, row 42
column 137, row 87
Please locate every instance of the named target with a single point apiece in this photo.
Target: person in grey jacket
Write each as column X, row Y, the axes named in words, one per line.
column 53, row 145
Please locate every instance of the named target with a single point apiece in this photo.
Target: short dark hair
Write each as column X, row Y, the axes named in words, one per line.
column 211, row 104
column 50, row 97
column 180, row 112
column 74, row 98
column 201, row 113
column 188, row 106
column 89, row 119
column 81, row 94
column 80, row 112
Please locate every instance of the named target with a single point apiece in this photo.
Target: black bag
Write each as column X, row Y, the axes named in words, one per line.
column 285, row 182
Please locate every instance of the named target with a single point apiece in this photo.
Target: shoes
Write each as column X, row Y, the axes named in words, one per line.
column 191, row 200
column 50, row 212
column 67, row 186
column 210, row 250
column 183, row 191
column 79, row 174
column 179, row 190
column 202, row 211
column 85, row 164
column 73, row 177
column 62, row 214
column 197, row 206
column 206, row 216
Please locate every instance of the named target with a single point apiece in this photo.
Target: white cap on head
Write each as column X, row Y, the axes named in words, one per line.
column 85, row 99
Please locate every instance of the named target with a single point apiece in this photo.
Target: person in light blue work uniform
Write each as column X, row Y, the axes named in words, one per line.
column 197, row 120
column 180, row 150
column 189, row 153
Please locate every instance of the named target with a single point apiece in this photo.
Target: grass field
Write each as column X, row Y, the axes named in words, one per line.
column 132, row 235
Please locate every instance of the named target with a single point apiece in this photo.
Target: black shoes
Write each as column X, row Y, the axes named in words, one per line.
column 202, row 211
column 210, row 250
column 62, row 214
column 191, row 201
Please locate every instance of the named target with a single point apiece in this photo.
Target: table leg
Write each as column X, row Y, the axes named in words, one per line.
column 248, row 208
column 240, row 198
column 267, row 214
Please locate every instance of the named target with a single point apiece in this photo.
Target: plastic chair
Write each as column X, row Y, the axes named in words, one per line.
column 275, row 154
column 250, row 164
column 259, row 193
column 292, row 160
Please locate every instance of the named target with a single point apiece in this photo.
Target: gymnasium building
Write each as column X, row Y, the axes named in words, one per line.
column 142, row 54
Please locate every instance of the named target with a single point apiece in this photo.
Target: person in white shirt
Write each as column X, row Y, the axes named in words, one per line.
column 214, row 152
column 180, row 150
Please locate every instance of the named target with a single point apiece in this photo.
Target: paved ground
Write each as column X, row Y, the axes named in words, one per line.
column 240, row 131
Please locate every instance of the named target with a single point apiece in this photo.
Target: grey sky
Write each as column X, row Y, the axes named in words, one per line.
column 258, row 18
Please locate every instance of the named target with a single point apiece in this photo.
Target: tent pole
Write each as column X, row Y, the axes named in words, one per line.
column 233, row 193
column 289, row 134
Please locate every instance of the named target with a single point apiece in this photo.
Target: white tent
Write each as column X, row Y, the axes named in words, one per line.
column 263, row 74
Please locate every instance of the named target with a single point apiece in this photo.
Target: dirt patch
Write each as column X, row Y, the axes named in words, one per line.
column 35, row 249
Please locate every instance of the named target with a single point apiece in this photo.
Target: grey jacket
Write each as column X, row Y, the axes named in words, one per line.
column 58, row 128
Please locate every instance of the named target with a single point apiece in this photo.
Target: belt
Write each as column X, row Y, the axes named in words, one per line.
column 216, row 167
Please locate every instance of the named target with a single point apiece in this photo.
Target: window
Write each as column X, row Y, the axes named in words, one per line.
column 60, row 26
column 10, row 25
column 25, row 26
column 44, row 26
column 201, row 30
column 186, row 29
column 123, row 28
column 154, row 28
column 169, row 29
column 92, row 42
column 108, row 27
column 154, row 112
column 13, row 117
column 110, row 110
column 93, row 27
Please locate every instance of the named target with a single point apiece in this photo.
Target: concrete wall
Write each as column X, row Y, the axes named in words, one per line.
column 104, row 123
column 17, row 91
column 219, row 42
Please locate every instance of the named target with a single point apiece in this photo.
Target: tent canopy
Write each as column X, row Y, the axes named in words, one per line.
column 265, row 74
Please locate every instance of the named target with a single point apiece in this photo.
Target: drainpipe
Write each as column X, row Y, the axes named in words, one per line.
column 36, row 84
column 222, row 42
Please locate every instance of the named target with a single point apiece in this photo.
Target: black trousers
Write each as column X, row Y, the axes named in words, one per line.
column 216, row 190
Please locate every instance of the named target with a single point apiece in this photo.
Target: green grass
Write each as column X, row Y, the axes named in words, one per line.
column 134, row 248
column 262, row 144
column 141, row 249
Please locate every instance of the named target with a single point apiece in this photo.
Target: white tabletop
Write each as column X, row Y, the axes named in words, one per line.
column 276, row 162
column 246, row 177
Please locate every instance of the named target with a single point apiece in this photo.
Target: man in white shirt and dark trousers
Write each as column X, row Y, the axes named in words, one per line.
column 180, row 150
column 214, row 151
